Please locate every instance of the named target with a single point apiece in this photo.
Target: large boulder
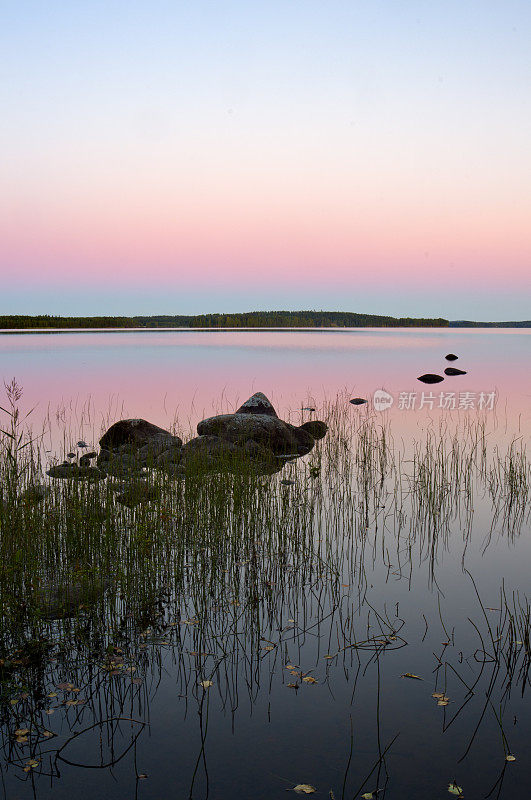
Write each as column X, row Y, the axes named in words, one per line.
column 271, row 432
column 136, row 433
column 257, row 421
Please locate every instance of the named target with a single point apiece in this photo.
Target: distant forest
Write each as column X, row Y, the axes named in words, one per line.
column 251, row 319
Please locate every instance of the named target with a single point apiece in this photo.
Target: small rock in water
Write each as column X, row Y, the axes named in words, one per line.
column 81, row 443
column 454, row 371
column 430, row 378
column 357, row 401
column 71, row 455
column 451, row 357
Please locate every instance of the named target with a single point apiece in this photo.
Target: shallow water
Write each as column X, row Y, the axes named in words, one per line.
column 373, row 562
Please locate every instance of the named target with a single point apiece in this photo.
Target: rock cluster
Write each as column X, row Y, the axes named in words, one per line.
column 252, row 439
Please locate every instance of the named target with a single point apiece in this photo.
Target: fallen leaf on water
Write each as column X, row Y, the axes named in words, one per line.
column 21, row 739
column 453, row 788
column 47, row 734
column 289, row 666
column 442, row 702
column 510, row 758
column 142, row 776
column 367, row 796
column 49, row 711
column 410, row 675
column 268, row 647
column 309, row 679
column 304, row 788
column 206, row 684
column 65, row 686
column 438, row 695
column 52, row 694
column 293, row 685
column 71, row 703
column 32, row 763
column 21, row 731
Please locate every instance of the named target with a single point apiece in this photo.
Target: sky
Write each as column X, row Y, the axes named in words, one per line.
column 190, row 157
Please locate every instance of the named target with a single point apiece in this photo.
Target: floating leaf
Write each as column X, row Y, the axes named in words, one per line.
column 21, row 731
column 309, row 679
column 21, row 739
column 206, row 684
column 453, row 788
column 438, row 695
column 442, row 702
column 367, row 796
column 47, row 733
column 410, row 675
column 510, row 758
column 32, row 763
column 52, row 694
column 293, row 685
column 304, row 788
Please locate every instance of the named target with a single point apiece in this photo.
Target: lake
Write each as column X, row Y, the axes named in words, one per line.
column 362, row 628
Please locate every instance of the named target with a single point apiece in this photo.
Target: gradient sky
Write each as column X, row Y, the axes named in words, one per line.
column 188, row 157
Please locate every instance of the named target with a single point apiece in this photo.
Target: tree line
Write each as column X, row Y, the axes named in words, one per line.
column 251, row 319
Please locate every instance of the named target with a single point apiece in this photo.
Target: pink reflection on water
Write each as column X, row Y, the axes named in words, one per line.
column 97, row 377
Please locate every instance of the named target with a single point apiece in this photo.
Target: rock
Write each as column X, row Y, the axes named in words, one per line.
column 308, row 408
column 451, row 357
column 315, row 428
column 430, row 378
column 136, row 433
column 264, row 429
column 171, row 455
column 75, row 472
column 149, row 452
column 87, row 458
column 287, row 482
column 81, row 443
column 454, row 371
column 357, row 401
column 71, row 455
column 257, row 404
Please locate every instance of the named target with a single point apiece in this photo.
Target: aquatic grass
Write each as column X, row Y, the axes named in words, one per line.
column 230, row 576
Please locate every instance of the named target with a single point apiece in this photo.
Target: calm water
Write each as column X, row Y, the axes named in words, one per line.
column 250, row 734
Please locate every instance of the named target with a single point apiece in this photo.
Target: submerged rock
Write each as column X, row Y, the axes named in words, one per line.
column 430, row 378
column 454, row 371
column 136, row 493
column 34, row 494
column 211, row 453
column 75, row 472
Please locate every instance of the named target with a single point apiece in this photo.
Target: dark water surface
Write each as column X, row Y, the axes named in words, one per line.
column 409, row 552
